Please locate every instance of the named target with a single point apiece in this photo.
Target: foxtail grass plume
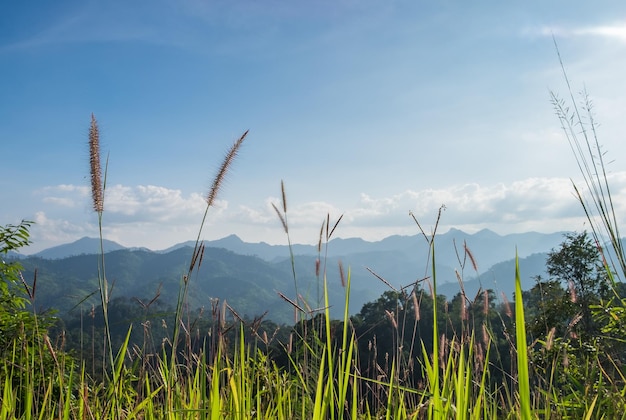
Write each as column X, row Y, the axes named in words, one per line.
column 485, row 302
column 223, row 170
column 507, row 306
column 468, row 252
column 342, row 275
column 416, row 306
column 282, row 191
column 282, row 219
column 97, row 189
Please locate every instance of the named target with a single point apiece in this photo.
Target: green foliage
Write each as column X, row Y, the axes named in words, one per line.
column 30, row 363
column 14, row 293
column 578, row 266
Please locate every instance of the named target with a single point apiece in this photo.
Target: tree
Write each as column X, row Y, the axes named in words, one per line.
column 13, row 298
column 549, row 308
column 23, row 334
column 577, row 266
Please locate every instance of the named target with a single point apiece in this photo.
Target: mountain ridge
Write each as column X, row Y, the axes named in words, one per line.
column 525, row 243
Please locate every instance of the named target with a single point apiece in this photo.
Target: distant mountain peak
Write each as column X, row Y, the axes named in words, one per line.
column 84, row 245
column 232, row 238
column 486, row 232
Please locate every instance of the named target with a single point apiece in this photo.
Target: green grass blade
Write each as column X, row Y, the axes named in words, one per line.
column 522, row 353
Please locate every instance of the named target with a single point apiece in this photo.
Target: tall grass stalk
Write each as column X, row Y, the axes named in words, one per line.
column 282, row 216
column 98, row 188
column 580, row 129
column 198, row 250
column 596, row 199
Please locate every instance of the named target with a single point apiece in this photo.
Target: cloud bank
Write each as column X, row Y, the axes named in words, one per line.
column 157, row 217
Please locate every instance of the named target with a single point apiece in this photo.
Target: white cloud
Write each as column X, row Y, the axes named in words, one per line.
column 541, row 204
column 59, row 201
column 48, row 231
column 158, row 217
column 156, row 204
column 616, row 31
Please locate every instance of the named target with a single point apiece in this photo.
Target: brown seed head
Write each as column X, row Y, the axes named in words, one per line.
column 572, row 291
column 282, row 218
column 486, row 337
column 464, row 315
column 485, row 302
column 507, row 306
column 468, row 252
column 392, row 318
column 282, row 191
column 97, row 190
column 342, row 275
column 416, row 306
column 221, row 173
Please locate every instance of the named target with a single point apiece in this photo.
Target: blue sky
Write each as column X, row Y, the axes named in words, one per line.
column 369, row 109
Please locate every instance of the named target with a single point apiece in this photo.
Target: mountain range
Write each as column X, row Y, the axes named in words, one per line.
column 249, row 276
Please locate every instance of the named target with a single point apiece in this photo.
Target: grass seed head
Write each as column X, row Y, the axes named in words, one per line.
column 218, row 181
column 468, row 252
column 342, row 275
column 281, row 218
column 97, row 189
column 416, row 306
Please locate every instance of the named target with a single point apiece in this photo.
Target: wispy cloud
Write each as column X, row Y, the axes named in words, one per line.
column 615, row 31
column 158, row 217
column 540, row 204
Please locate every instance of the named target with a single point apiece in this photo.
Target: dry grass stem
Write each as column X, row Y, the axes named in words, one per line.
column 381, row 279
column 294, row 304
column 223, row 170
column 282, row 218
column 335, row 226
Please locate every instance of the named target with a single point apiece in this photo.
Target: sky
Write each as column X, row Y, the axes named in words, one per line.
column 368, row 109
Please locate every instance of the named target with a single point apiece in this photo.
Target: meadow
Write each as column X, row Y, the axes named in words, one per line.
column 556, row 351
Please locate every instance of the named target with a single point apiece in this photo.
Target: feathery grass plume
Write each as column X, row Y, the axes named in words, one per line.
column 464, row 315
column 486, row 336
column 550, row 338
column 223, row 170
column 392, row 319
column 97, row 190
column 416, row 306
column 485, row 302
column 342, row 275
column 468, row 252
column 281, row 218
column 572, row 291
column 319, row 242
column 284, row 196
column 335, row 227
column 507, row 305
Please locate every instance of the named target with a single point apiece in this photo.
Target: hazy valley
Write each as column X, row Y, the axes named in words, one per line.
column 249, row 276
